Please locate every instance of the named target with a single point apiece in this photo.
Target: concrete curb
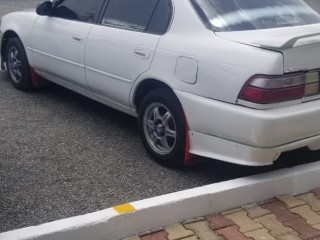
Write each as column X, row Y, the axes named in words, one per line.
column 126, row 220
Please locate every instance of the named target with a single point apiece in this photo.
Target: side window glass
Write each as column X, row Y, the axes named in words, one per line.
column 161, row 17
column 129, row 14
column 80, row 10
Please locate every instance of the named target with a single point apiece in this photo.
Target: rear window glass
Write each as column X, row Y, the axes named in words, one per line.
column 239, row 15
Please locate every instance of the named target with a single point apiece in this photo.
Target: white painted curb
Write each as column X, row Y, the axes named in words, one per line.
column 176, row 207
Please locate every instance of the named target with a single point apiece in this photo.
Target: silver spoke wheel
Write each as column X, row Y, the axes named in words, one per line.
column 15, row 64
column 159, row 128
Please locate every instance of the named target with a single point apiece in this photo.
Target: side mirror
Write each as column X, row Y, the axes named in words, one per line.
column 44, row 9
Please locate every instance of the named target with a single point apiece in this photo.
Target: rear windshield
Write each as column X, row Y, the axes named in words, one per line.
column 239, row 15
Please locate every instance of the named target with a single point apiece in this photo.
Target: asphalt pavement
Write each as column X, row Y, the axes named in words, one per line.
column 62, row 155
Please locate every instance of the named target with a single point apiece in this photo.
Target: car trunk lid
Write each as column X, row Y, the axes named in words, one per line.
column 299, row 45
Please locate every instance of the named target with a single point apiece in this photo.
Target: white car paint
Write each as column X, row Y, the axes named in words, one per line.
column 109, row 64
column 115, row 58
column 62, row 54
column 300, row 45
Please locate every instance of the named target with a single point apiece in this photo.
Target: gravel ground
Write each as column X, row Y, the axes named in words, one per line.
column 62, row 155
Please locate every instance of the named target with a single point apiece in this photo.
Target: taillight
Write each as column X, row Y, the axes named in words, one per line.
column 263, row 89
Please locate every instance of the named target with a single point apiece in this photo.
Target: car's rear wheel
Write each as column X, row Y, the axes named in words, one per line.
column 162, row 127
column 18, row 65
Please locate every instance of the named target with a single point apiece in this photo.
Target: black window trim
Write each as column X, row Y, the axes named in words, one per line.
column 96, row 22
column 203, row 18
column 104, row 9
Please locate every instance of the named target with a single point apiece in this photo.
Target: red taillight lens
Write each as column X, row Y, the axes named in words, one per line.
column 274, row 89
column 263, row 96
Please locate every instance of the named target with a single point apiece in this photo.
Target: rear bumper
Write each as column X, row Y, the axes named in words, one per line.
column 248, row 131
column 233, row 152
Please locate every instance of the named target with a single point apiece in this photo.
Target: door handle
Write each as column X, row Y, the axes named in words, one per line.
column 77, row 38
column 142, row 53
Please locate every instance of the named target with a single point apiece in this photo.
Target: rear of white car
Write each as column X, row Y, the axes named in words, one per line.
column 277, row 108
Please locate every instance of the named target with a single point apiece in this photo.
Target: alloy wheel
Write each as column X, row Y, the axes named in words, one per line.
column 159, row 128
column 15, row 64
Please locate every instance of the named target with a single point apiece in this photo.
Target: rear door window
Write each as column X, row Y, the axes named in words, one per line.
column 161, row 17
column 129, row 14
column 151, row 16
column 79, row 10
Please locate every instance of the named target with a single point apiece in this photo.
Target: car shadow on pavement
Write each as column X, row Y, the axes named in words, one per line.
column 212, row 169
column 222, row 171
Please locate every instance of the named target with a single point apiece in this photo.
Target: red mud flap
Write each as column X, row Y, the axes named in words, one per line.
column 188, row 157
column 37, row 81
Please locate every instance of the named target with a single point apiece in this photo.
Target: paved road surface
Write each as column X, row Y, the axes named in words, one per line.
column 62, row 155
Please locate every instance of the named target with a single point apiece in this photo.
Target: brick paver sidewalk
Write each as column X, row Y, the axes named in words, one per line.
column 281, row 218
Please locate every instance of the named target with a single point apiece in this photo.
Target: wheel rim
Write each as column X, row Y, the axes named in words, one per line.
column 15, row 64
column 159, row 128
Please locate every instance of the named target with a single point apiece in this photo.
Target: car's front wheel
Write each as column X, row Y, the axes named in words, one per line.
column 162, row 127
column 18, row 65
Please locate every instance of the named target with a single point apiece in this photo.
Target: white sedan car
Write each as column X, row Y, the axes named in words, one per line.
column 234, row 80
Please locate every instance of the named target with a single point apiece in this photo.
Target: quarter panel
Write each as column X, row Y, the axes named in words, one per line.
column 223, row 66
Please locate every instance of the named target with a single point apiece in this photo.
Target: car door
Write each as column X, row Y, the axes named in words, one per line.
column 122, row 46
column 58, row 40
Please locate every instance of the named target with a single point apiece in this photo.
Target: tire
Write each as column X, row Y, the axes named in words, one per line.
column 18, row 65
column 162, row 127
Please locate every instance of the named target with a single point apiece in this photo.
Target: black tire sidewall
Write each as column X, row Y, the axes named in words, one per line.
column 25, row 83
column 168, row 99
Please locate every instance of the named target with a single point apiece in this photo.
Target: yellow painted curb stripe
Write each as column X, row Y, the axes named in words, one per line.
column 124, row 208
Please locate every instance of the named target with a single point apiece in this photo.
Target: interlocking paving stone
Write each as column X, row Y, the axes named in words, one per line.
column 202, row 230
column 291, row 220
column 231, row 211
column 305, row 211
column 273, row 225
column 316, row 238
column 289, row 236
column 281, row 218
column 190, row 238
column 232, row 233
column 245, row 223
column 218, row 221
column 161, row 235
column 193, row 220
column 312, row 200
column 291, row 201
column 316, row 192
column 133, row 238
column 255, row 211
column 178, row 231
column 317, row 226
column 305, row 230
column 281, row 212
column 260, row 234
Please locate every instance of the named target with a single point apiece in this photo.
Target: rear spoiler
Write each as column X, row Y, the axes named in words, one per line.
column 292, row 43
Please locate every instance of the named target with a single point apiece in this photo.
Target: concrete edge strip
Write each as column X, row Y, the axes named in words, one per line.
column 131, row 218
